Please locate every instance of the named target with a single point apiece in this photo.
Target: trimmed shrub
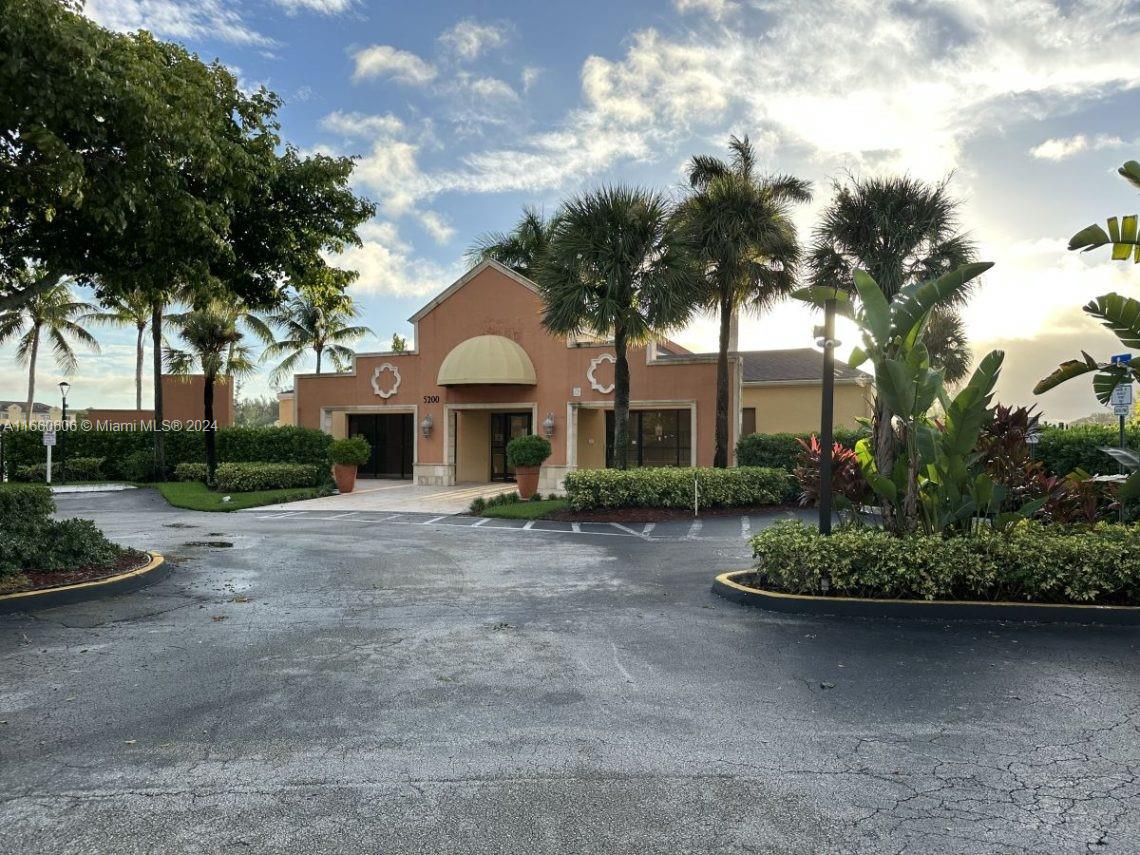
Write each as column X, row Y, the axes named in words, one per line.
column 24, row 505
column 478, row 505
column 350, row 451
column 668, row 487
column 76, row 469
column 32, row 540
column 248, row 477
column 138, row 466
column 191, row 472
column 502, row 499
column 1032, row 563
column 782, row 450
column 530, row 450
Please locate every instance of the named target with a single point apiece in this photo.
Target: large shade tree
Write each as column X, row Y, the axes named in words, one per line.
column 50, row 318
column 901, row 231
column 521, row 248
column 737, row 223
column 617, row 266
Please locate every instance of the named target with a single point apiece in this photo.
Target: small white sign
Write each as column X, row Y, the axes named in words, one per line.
column 49, row 437
column 1121, row 396
column 1121, row 409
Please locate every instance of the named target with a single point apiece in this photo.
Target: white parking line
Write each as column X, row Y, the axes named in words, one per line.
column 576, row 527
column 694, row 530
column 433, row 520
column 342, row 516
column 626, row 529
column 745, row 526
column 281, row 516
column 648, row 528
column 480, row 521
column 529, row 525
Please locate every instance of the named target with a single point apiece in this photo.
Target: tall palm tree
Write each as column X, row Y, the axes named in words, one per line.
column 900, row 230
column 213, row 344
column 738, row 226
column 316, row 321
column 50, row 316
column 521, row 248
column 616, row 265
column 132, row 310
column 949, row 346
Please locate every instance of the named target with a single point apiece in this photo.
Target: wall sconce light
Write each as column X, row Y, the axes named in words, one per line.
column 659, row 431
column 548, row 425
column 426, row 425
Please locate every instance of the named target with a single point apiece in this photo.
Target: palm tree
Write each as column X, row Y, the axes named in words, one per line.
column 133, row 309
column 616, row 265
column 52, row 315
column 949, row 346
column 213, row 345
column 316, row 321
column 521, row 248
column 738, row 226
column 900, row 230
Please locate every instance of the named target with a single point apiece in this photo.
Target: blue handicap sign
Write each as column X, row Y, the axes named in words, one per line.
column 1121, row 357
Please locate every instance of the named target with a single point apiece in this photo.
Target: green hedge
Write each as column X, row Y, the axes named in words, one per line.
column 75, row 469
column 24, row 504
column 1032, row 563
column 1063, row 450
column 668, row 487
column 235, row 445
column 248, row 477
column 191, row 472
column 780, row 450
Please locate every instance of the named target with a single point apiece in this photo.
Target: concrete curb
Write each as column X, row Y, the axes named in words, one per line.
column 725, row 585
column 47, row 598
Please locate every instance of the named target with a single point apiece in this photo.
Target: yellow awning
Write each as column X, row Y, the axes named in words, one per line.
column 486, row 359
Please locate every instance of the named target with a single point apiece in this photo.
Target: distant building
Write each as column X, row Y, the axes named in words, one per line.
column 14, row 413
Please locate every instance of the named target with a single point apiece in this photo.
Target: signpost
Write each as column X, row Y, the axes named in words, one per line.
column 49, row 444
column 1121, row 399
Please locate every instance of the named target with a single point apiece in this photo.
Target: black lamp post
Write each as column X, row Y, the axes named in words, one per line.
column 64, row 387
column 825, row 338
column 3, row 470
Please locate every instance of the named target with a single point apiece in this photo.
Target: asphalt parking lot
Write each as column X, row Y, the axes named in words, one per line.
column 401, row 683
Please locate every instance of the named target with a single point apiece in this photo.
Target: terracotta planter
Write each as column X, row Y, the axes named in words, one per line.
column 527, row 478
column 345, row 477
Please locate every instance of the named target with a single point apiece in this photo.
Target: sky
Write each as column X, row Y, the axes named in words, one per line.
column 461, row 113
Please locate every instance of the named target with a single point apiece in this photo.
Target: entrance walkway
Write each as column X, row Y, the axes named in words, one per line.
column 380, row 495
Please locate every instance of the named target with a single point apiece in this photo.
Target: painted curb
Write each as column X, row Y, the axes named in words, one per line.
column 47, row 598
column 725, row 585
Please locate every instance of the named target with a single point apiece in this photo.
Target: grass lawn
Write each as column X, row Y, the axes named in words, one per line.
column 195, row 496
column 526, row 510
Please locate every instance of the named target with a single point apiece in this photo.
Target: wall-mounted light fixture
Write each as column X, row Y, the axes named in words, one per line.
column 426, row 426
column 548, row 425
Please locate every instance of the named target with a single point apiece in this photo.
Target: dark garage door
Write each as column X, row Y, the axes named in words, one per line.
column 391, row 437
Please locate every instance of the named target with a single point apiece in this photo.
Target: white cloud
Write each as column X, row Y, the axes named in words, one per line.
column 468, row 39
column 492, row 89
column 177, row 19
column 354, row 125
column 435, row 225
column 387, row 266
column 1061, row 148
column 387, row 61
column 715, row 9
column 323, row 7
column 530, row 76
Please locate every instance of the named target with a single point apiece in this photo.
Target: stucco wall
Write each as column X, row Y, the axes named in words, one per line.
column 285, row 410
column 473, row 446
column 181, row 401
column 494, row 303
column 795, row 408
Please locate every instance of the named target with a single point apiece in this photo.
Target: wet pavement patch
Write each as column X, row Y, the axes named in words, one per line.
column 212, row 544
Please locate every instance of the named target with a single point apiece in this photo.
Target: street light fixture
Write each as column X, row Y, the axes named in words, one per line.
column 825, row 338
column 64, row 388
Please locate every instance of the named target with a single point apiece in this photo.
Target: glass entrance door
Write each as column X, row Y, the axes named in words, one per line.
column 504, row 428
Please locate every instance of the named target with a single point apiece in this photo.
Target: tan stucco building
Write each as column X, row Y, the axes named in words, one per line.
column 485, row 370
column 182, row 402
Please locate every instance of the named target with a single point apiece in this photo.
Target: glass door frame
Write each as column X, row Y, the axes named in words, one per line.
column 498, row 449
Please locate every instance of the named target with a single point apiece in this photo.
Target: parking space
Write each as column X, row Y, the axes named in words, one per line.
column 721, row 527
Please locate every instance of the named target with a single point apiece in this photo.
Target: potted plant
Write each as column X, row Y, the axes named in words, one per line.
column 525, row 454
column 347, row 454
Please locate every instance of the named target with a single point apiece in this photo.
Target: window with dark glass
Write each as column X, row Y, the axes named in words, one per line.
column 747, row 421
column 656, row 438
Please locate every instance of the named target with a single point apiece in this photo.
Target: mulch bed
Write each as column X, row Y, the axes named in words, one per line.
column 40, row 579
column 644, row 515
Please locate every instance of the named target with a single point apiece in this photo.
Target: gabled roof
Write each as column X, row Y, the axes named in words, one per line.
column 803, row 363
column 37, row 407
column 467, row 277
